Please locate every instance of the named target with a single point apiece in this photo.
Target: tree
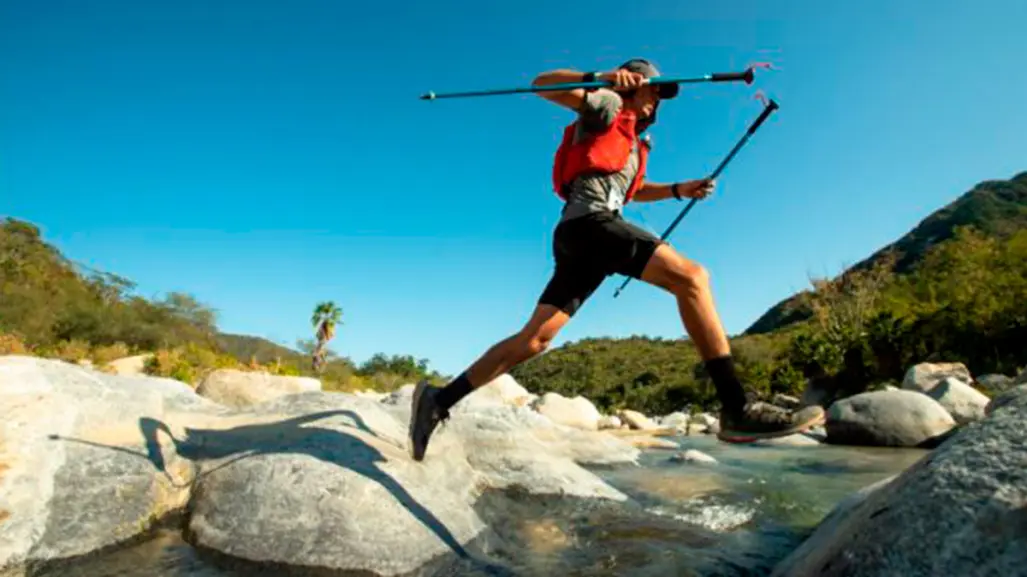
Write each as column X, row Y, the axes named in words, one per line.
column 324, row 320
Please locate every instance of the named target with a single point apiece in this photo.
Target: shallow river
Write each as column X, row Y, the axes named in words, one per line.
column 736, row 517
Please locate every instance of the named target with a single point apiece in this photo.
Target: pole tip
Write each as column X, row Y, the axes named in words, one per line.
column 428, row 96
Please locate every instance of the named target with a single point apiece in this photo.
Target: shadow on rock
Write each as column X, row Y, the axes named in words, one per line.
column 219, row 448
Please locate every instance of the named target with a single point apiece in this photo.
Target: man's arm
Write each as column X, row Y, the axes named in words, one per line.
column 574, row 99
column 651, row 191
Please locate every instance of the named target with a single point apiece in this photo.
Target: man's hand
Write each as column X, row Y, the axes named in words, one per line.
column 700, row 188
column 623, row 79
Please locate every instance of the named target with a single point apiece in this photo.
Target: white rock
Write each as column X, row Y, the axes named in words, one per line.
column 239, row 389
column 965, row 403
column 924, row 376
column 578, row 412
column 637, row 420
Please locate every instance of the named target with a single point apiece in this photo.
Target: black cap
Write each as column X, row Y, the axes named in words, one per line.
column 647, row 69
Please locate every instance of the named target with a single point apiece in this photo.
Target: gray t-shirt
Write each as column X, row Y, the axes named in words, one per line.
column 599, row 192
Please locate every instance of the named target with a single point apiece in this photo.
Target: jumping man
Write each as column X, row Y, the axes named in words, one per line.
column 599, row 167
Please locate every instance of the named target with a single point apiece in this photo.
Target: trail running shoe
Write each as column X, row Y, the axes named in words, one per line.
column 760, row 420
column 425, row 415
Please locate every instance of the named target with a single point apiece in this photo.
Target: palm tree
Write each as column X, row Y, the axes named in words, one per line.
column 326, row 316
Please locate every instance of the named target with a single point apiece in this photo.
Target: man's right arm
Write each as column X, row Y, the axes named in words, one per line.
column 575, row 99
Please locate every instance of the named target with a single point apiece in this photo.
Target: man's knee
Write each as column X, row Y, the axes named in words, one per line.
column 688, row 276
column 533, row 344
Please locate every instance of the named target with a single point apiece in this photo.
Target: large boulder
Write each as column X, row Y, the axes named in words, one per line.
column 958, row 511
column 240, row 389
column 84, row 461
column 965, row 403
column 887, row 418
column 578, row 412
column 924, row 376
column 313, row 479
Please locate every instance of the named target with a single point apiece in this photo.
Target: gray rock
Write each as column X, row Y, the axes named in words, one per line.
column 80, row 460
column 323, row 480
column 924, row 376
column 968, row 497
column 240, row 389
column 995, row 384
column 692, row 456
column 965, row 403
column 329, row 483
column 887, row 418
column 1006, row 398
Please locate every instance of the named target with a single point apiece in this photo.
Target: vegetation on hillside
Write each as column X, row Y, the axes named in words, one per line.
column 995, row 208
column 50, row 306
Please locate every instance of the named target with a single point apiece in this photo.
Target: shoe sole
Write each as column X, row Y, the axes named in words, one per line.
column 739, row 437
column 414, row 403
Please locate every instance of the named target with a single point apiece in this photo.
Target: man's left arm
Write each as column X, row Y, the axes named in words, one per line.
column 652, row 191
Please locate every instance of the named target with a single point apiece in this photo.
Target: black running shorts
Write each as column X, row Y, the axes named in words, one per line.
column 590, row 248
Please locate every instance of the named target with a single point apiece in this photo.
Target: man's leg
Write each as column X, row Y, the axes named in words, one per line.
column 740, row 420
column 533, row 339
column 568, row 289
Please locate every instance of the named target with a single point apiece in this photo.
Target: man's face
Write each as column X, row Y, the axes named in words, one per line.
column 646, row 99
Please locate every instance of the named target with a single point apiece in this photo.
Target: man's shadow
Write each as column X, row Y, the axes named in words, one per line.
column 287, row 436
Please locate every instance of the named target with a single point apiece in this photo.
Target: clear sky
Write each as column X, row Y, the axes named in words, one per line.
column 265, row 156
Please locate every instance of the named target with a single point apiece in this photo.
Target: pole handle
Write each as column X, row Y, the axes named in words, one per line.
column 746, row 76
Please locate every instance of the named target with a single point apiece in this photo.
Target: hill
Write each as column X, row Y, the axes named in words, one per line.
column 52, row 306
column 246, row 347
column 993, row 207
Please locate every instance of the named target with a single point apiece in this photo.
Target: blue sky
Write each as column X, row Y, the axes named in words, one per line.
column 265, row 156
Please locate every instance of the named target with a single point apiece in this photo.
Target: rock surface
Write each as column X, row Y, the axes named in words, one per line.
column 74, row 469
column 958, row 511
column 995, row 384
column 313, row 479
column 578, row 412
column 965, row 403
column 887, row 418
column 924, row 376
column 609, row 422
column 1006, row 398
column 637, row 420
column 240, row 389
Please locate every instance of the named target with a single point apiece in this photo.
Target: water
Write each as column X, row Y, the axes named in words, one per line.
column 736, row 517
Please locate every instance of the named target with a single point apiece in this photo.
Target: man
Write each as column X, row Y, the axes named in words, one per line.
column 600, row 166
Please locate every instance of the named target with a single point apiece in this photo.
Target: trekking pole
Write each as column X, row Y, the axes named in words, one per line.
column 767, row 110
column 746, row 77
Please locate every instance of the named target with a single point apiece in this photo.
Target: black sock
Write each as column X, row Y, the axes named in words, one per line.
column 451, row 394
column 729, row 388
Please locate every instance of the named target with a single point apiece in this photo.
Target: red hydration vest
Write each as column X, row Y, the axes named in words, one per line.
column 606, row 152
